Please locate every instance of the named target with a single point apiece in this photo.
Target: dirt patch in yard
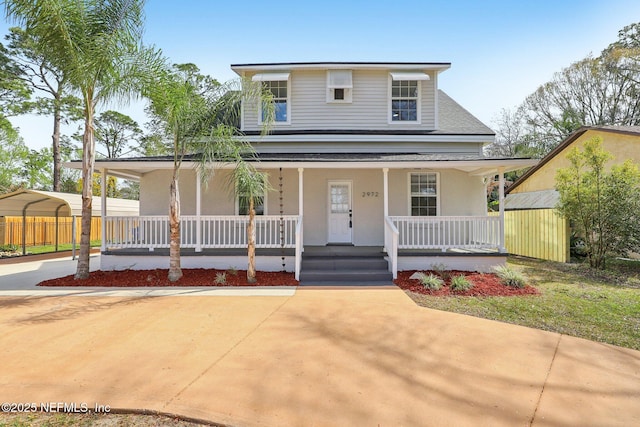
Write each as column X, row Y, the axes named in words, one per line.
column 158, row 278
column 484, row 285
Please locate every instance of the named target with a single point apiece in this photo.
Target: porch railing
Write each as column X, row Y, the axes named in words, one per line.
column 447, row 232
column 212, row 231
column 391, row 245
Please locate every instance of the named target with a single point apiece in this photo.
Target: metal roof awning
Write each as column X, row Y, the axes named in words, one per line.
column 49, row 203
column 544, row 199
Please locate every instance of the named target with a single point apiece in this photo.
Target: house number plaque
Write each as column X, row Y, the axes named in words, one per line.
column 370, row 194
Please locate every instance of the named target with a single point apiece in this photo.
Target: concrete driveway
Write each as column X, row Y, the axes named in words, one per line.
column 315, row 357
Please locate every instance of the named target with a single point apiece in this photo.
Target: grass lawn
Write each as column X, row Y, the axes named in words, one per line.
column 52, row 248
column 599, row 306
column 39, row 419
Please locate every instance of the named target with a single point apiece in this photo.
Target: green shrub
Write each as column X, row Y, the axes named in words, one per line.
column 232, row 271
column 8, row 248
column 460, row 283
column 431, row 282
column 221, row 278
column 510, row 277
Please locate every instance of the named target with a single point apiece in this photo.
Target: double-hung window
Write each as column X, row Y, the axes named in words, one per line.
column 405, row 97
column 278, row 85
column 278, row 89
column 404, row 101
column 259, row 204
column 424, row 194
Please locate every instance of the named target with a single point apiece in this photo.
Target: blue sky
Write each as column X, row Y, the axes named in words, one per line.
column 500, row 51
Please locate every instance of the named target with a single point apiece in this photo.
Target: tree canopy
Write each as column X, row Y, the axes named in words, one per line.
column 595, row 91
column 601, row 203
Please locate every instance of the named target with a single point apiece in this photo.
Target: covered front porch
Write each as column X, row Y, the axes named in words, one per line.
column 372, row 202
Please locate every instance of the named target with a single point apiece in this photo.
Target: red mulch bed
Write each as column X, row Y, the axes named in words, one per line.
column 484, row 285
column 158, row 277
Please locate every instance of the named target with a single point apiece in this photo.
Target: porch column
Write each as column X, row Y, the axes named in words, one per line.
column 300, row 192
column 103, row 211
column 385, row 193
column 501, row 193
column 198, row 211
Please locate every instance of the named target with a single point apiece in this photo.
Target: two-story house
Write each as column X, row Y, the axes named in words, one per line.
column 373, row 167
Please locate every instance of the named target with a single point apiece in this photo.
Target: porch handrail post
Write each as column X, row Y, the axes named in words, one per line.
column 391, row 245
column 299, row 239
column 103, row 211
column 501, row 194
column 198, row 211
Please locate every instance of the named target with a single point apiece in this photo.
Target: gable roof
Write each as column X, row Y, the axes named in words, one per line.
column 455, row 119
column 626, row 130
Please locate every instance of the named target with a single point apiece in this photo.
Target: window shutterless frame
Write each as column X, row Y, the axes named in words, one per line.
column 420, row 197
column 405, row 97
column 280, row 86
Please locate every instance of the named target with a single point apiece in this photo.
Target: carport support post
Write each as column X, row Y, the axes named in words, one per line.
column 24, row 231
column 73, row 237
column 103, row 211
column 501, row 193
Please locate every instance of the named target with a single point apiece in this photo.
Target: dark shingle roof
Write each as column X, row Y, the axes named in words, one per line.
column 455, row 119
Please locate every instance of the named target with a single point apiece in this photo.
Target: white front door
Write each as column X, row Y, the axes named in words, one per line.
column 340, row 214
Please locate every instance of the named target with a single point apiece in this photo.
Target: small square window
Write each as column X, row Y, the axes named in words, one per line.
column 339, row 86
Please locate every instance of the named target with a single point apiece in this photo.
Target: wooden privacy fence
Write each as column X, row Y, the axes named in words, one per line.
column 537, row 233
column 42, row 230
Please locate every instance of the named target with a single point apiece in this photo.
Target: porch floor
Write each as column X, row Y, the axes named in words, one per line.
column 329, row 251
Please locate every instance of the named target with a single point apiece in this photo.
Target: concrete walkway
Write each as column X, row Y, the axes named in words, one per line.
column 350, row 357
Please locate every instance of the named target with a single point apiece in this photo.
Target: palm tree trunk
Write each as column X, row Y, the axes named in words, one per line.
column 175, row 272
column 251, row 247
column 88, row 159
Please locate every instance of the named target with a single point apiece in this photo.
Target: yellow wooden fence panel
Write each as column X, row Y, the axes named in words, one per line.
column 536, row 233
column 42, row 230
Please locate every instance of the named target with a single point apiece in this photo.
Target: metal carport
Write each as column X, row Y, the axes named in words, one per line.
column 53, row 204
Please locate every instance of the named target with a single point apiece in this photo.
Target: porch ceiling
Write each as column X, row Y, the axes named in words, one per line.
column 477, row 165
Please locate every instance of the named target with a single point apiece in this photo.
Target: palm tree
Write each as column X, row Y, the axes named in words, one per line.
column 198, row 115
column 250, row 184
column 96, row 44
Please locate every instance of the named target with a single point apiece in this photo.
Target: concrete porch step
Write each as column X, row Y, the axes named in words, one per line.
column 345, row 277
column 349, row 263
column 344, row 266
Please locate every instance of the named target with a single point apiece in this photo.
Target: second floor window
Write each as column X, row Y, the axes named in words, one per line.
column 404, row 100
column 278, row 89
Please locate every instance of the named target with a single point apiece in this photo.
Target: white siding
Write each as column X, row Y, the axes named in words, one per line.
column 460, row 194
column 368, row 110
